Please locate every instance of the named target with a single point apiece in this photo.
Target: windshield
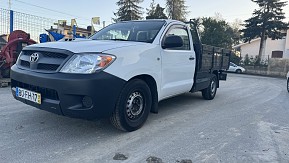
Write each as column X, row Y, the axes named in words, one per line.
column 139, row 31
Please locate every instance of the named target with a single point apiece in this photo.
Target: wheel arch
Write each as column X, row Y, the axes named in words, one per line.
column 151, row 82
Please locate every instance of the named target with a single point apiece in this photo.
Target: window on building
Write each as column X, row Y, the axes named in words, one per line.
column 277, row 54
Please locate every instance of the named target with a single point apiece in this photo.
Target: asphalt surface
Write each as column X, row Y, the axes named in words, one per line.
column 248, row 121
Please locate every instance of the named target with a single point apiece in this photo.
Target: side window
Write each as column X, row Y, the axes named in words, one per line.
column 183, row 33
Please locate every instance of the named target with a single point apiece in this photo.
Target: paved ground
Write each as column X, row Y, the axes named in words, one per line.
column 247, row 122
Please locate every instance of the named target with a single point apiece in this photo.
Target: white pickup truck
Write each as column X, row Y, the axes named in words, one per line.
column 121, row 72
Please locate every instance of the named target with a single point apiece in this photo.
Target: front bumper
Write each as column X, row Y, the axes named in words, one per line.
column 66, row 94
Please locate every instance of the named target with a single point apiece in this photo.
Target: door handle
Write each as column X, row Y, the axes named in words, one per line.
column 192, row 58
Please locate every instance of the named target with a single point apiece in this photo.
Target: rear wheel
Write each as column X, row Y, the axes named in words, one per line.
column 239, row 71
column 133, row 106
column 288, row 84
column 210, row 92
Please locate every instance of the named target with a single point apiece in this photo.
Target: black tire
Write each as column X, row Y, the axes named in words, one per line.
column 210, row 92
column 288, row 85
column 133, row 106
column 239, row 71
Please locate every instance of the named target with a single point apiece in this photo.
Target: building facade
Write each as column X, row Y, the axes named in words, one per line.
column 273, row 48
column 67, row 30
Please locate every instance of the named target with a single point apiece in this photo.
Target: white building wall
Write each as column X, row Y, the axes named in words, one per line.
column 251, row 49
column 274, row 45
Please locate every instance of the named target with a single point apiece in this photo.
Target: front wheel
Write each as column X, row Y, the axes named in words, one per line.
column 133, row 106
column 210, row 92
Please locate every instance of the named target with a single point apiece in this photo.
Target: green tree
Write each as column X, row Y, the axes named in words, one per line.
column 266, row 22
column 128, row 10
column 176, row 9
column 247, row 60
column 156, row 12
column 235, row 58
column 151, row 10
column 236, row 26
column 216, row 33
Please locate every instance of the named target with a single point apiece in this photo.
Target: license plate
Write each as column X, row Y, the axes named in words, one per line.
column 28, row 95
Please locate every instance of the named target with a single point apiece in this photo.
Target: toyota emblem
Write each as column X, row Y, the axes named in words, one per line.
column 34, row 57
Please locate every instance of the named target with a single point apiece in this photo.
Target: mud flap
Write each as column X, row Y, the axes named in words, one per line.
column 223, row 76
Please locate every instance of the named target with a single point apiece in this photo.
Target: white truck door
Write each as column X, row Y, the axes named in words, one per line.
column 178, row 64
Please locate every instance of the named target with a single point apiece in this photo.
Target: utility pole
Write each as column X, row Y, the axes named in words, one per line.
column 11, row 16
column 9, row 4
column 173, row 12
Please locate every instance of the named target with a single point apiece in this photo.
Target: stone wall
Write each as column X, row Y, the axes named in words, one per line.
column 276, row 68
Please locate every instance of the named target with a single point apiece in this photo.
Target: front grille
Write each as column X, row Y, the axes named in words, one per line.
column 45, row 92
column 46, row 61
column 47, row 67
column 47, row 54
column 25, row 64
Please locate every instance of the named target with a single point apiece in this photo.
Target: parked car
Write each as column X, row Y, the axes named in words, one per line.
column 288, row 81
column 235, row 68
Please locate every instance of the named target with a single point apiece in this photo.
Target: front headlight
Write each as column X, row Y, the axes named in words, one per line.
column 87, row 63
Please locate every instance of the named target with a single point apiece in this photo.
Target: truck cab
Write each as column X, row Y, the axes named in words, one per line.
column 121, row 72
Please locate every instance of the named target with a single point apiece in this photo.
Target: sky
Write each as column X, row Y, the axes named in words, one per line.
column 84, row 10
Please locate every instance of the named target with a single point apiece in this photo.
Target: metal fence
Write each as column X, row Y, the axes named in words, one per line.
column 253, row 60
column 4, row 21
column 34, row 25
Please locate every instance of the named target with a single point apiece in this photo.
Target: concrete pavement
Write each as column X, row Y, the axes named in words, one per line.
column 248, row 121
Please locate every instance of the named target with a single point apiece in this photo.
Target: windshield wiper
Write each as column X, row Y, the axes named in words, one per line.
column 118, row 39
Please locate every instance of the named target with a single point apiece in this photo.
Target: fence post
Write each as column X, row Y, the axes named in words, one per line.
column 11, row 21
column 74, row 30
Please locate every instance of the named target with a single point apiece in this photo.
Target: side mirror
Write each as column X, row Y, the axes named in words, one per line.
column 173, row 41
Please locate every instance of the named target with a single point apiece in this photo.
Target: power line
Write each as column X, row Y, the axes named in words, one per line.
column 38, row 11
column 29, row 4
